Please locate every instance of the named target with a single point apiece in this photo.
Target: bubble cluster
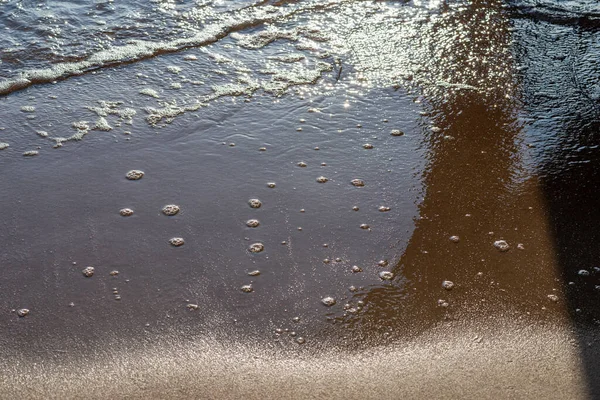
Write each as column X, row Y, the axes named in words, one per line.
column 553, row 297
column 88, row 272
column 4, row 146
column 31, row 153
column 170, row 209
column 254, row 203
column 126, row 212
column 356, row 269
column 256, row 248
column 176, row 241
column 134, row 175
column 357, row 182
column 322, row 179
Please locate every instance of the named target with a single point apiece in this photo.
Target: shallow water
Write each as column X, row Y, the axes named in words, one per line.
column 217, row 101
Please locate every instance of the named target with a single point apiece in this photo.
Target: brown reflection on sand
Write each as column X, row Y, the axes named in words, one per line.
column 477, row 188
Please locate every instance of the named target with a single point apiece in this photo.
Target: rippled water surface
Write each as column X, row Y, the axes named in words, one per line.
column 419, row 165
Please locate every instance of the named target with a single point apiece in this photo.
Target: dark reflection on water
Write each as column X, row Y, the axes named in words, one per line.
column 564, row 112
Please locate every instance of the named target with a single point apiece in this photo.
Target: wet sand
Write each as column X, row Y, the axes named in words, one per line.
column 458, row 259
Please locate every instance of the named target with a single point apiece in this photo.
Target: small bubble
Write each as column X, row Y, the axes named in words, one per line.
column 322, row 179
column 364, row 226
column 88, row 271
column 397, row 132
column 448, row 285
column 454, row 239
column 326, row 261
column 520, row 246
column 384, row 209
column 300, row 340
column 284, row 242
column 442, row 303
column 176, row 241
column 338, row 259
column 299, row 228
column 323, row 164
column 302, row 120
column 271, row 185
column 386, row 275
column 328, row 301
column 296, row 319
column 254, row 273
column 252, row 223
column 302, row 210
column 71, row 304
column 316, row 148
column 126, row 212
column 134, row 175
column 367, row 146
column 117, row 297
column 170, row 209
column 355, row 208
column 359, row 125
column 501, row 245
column 383, row 263
column 353, row 288
column 262, row 149
column 22, row 312
column 114, row 273
column 254, row 203
column 356, row 268
column 31, row 153
column 299, row 129
column 247, row 288
column 357, row 182
column 583, row 272
column 302, row 164
column 231, row 144
column 435, row 129
column 256, row 248
column 293, row 334
column 192, row 307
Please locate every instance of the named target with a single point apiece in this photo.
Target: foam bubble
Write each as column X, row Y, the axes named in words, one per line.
column 328, row 301
column 134, row 175
column 254, row 203
column 31, row 153
column 126, row 212
column 256, row 248
column 23, row 312
column 170, row 209
column 501, row 245
column 252, row 223
column 386, row 275
column 176, row 241
column 4, row 146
